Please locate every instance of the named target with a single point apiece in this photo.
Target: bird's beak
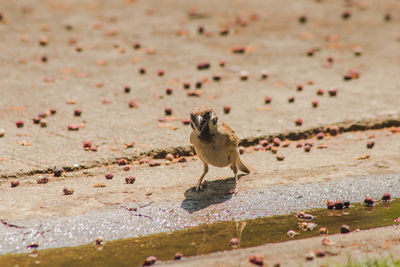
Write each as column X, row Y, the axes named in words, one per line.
column 199, row 120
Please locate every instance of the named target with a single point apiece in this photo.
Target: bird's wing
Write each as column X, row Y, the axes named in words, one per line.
column 232, row 137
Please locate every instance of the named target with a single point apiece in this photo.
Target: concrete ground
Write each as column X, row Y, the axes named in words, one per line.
column 72, row 55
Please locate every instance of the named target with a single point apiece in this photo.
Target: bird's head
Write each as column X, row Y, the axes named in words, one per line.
column 203, row 119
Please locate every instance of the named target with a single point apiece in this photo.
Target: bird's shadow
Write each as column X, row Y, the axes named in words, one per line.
column 216, row 192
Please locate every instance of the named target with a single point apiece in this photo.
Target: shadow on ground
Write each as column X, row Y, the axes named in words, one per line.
column 216, row 192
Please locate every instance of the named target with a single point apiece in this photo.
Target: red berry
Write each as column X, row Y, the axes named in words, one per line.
column 227, row 109
column 267, row 99
column 109, row 176
column 298, row 122
column 168, row 91
column 168, row 111
column 314, row 103
column 77, row 112
column 19, row 124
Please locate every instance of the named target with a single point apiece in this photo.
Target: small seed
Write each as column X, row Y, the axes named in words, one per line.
column 19, row 124
column 168, row 111
column 203, row 66
column 43, row 123
column 224, row 32
column 274, row 150
column 130, row 179
column 227, row 109
column 178, row 256
column 332, row 92
column 386, row 197
column 307, row 148
column 257, row 260
column 150, row 261
column 222, row 63
column 127, row 89
column 68, row 191
column 346, row 14
column 136, row 45
column 264, row 75
column 344, row 229
column 36, row 120
column 370, row 144
column 14, row 183
column 122, row 162
column 132, row 104
column 280, row 158
column 291, row 99
column 77, row 112
column 217, row 77
column 186, row 85
column 169, row 91
column 338, row 205
column 299, row 87
column 199, row 84
column 186, row 121
column 314, row 103
column 109, row 176
column 53, row 111
column 369, row 201
column 267, row 99
column 161, row 73
column 298, row 122
column 320, row 92
column 142, row 71
column 302, row 19
column 238, row 50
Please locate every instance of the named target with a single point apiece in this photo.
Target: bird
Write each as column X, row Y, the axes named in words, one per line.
column 215, row 143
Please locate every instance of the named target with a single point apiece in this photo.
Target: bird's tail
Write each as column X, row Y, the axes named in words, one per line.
column 243, row 167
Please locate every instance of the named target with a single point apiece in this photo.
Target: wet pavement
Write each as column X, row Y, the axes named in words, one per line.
column 142, row 219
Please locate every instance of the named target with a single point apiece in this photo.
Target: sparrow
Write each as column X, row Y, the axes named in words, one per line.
column 215, row 143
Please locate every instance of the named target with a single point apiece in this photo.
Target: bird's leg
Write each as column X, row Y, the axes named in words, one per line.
column 200, row 184
column 235, row 171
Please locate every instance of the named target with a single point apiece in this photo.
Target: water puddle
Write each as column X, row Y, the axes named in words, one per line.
column 207, row 238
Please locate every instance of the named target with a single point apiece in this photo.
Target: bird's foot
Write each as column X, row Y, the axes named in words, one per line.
column 234, row 190
column 200, row 186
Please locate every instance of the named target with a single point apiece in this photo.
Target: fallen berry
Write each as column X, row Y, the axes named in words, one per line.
column 224, row 32
column 42, row 180
column 127, row 168
column 267, row 99
column 370, row 144
column 274, row 150
column 150, row 261
column 136, row 45
column 14, row 183
column 334, row 130
column 227, row 109
column 19, row 124
column 298, row 122
column 186, row 121
column 323, row 231
column 130, row 179
column 122, row 162
column 58, row 171
column 264, row 75
column 77, row 112
column 234, row 242
column 127, row 88
column 161, row 73
column 186, row 85
column 109, row 176
column 386, row 197
column 314, row 103
column 299, row 87
column 369, row 201
column 307, row 148
column 238, row 50
column 280, row 158
column 244, row 76
column 168, row 111
column 43, row 123
column 74, row 127
column 178, row 256
column 291, row 99
column 257, row 260
column 319, row 253
column 320, row 92
column 332, row 92
column 142, row 71
column 302, row 19
column 68, row 191
column 276, row 141
column 222, row 63
column 346, row 14
column 330, row 205
column 169, row 91
column 199, row 84
column 203, row 66
column 169, row 157
column 338, row 205
column 132, row 104
column 154, row 163
column 285, row 143
column 52, row 111
column 320, row 135
column 344, row 229
column 36, row 120
column 217, row 77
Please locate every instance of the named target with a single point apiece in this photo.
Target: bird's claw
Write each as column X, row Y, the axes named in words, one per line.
column 201, row 186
